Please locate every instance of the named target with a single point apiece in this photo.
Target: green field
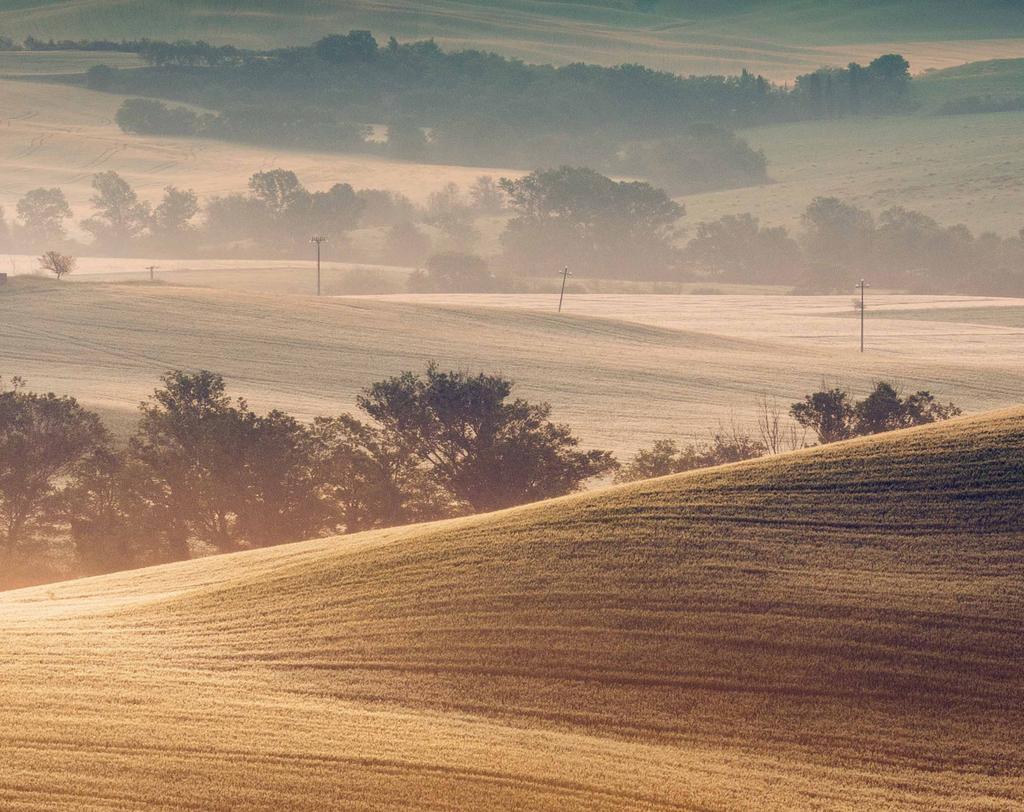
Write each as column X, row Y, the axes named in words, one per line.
column 999, row 78
column 779, row 38
column 837, row 628
column 51, row 63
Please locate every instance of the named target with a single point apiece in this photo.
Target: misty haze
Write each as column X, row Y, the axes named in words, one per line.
column 610, row 404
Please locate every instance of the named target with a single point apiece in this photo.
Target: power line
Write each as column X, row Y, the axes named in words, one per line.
column 318, row 239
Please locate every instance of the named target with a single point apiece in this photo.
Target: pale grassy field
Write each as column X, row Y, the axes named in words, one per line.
column 957, row 169
column 622, row 370
column 840, row 628
column 779, row 39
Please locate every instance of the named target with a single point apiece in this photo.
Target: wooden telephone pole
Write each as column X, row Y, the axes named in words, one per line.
column 319, row 240
column 861, row 286
column 565, row 275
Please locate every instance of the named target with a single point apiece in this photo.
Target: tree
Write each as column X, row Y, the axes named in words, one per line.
column 277, row 189
column 486, row 196
column 838, row 238
column 120, row 217
column 331, row 212
column 42, row 213
column 343, row 49
column 226, row 475
column 60, row 265
column 737, row 249
column 833, row 416
column 383, row 208
column 828, row 413
column 453, row 272
column 885, row 410
column 373, row 477
column 42, row 439
column 487, row 452
column 151, row 117
column 405, row 244
column 447, row 210
column 727, row 445
column 578, row 217
column 172, row 219
column 773, row 435
column 407, row 140
column 280, row 499
column 191, row 441
column 698, row 158
column 110, row 512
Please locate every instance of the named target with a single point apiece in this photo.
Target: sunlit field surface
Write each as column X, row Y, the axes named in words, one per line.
column 622, row 370
column 837, row 628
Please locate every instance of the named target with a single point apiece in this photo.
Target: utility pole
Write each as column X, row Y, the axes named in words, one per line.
column 152, row 272
column 860, row 286
column 565, row 275
column 318, row 239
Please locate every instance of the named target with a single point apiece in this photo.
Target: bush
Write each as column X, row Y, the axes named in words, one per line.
column 150, row 117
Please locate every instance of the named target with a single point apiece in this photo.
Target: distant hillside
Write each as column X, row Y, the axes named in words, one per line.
column 838, row 628
column 619, row 383
column 991, row 80
column 779, row 38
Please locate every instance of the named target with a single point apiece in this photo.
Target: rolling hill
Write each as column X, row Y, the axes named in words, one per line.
column 779, row 38
column 62, row 136
column 835, row 628
column 623, row 371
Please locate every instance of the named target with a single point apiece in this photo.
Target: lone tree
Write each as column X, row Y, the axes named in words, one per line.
column 42, row 439
column 488, row 452
column 60, row 265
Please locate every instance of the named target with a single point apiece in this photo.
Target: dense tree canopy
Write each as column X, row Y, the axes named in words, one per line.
column 578, row 217
column 488, row 452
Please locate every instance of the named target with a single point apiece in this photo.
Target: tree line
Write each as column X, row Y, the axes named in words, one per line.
column 840, row 242
column 203, row 472
column 569, row 215
column 479, row 108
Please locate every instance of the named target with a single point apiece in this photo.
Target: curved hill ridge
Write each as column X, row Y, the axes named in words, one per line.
column 839, row 627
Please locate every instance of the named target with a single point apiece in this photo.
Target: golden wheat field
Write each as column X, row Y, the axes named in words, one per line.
column 834, row 628
column 622, row 370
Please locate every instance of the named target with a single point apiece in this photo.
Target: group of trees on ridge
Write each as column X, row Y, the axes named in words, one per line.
column 571, row 216
column 830, row 415
column 204, row 472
